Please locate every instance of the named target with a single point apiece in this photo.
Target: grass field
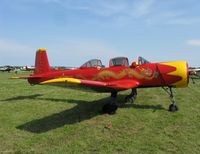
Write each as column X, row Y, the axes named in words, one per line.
column 44, row 119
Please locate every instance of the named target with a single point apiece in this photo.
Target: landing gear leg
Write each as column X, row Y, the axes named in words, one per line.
column 111, row 107
column 132, row 97
column 172, row 106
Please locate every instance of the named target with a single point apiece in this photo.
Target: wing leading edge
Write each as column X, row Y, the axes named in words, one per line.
column 119, row 84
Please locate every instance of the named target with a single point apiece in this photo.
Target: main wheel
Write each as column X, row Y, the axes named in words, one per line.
column 173, row 108
column 110, row 108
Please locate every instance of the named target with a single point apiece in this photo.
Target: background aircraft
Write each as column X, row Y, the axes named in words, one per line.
column 117, row 77
column 6, row 68
column 27, row 68
column 194, row 73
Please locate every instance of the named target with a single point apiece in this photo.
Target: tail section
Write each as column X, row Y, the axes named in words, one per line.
column 41, row 62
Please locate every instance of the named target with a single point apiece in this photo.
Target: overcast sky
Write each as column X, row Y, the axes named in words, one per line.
column 74, row 31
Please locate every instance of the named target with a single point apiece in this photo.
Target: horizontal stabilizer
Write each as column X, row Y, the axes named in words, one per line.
column 26, row 77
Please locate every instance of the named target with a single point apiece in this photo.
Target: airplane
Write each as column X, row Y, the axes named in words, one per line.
column 117, row 77
column 29, row 68
column 194, row 73
column 6, row 69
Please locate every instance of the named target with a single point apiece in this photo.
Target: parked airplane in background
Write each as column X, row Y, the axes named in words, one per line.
column 6, row 68
column 117, row 77
column 28, row 68
column 194, row 73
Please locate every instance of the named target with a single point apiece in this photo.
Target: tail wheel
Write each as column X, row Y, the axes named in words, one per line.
column 173, row 108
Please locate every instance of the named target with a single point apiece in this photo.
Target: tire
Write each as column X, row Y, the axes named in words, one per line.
column 173, row 108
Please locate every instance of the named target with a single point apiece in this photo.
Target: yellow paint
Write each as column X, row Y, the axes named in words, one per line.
column 62, row 80
column 42, row 50
column 181, row 71
column 15, row 78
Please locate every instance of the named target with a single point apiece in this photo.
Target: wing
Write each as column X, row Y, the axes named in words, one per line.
column 119, row 84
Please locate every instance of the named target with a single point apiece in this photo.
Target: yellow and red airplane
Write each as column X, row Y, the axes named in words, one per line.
column 117, row 77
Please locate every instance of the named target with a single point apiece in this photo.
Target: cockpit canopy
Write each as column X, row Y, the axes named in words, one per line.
column 93, row 63
column 141, row 61
column 119, row 61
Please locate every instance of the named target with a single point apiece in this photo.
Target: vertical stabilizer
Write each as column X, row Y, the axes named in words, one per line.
column 41, row 62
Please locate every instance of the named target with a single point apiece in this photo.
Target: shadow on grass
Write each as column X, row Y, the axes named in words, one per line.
column 140, row 106
column 82, row 111
column 32, row 97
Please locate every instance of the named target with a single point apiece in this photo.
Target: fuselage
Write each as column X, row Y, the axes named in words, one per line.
column 173, row 74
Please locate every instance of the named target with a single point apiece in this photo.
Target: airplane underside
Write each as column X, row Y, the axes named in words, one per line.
column 112, row 106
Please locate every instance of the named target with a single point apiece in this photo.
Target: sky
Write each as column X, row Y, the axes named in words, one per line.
column 74, row 31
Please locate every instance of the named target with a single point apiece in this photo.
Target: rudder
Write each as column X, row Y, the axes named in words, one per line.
column 41, row 62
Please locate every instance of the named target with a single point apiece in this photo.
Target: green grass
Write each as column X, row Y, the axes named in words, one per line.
column 44, row 119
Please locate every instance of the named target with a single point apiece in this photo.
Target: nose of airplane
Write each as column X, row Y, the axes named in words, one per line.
column 181, row 71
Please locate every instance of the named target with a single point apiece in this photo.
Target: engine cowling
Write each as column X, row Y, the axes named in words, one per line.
column 180, row 73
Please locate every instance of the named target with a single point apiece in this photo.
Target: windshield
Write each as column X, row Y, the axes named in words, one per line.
column 141, row 61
